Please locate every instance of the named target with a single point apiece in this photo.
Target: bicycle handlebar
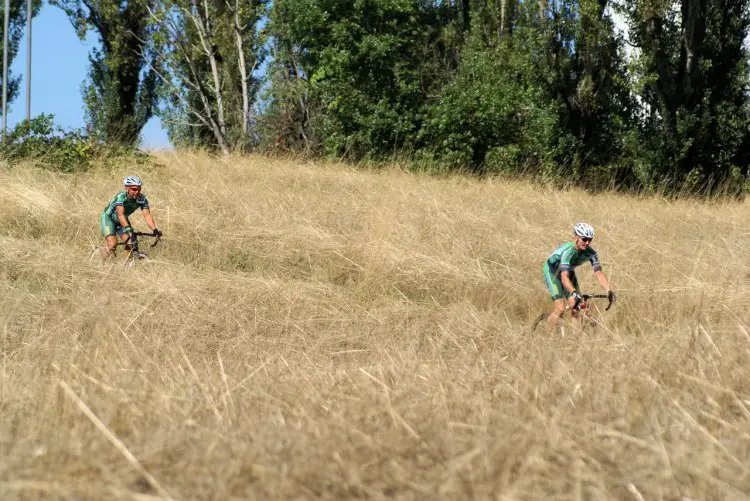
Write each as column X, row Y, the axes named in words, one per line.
column 586, row 297
column 157, row 239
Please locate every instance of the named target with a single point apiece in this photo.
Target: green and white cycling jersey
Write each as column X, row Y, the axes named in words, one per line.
column 129, row 204
column 109, row 223
column 566, row 258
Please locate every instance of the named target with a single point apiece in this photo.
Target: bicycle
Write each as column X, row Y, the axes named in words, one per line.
column 132, row 247
column 584, row 311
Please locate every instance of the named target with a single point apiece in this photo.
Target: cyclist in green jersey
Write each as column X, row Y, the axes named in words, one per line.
column 115, row 222
column 559, row 272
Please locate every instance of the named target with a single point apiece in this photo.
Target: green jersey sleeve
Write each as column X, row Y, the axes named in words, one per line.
column 570, row 259
column 594, row 259
column 129, row 205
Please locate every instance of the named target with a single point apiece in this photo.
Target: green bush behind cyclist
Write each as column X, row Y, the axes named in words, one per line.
column 559, row 271
column 115, row 220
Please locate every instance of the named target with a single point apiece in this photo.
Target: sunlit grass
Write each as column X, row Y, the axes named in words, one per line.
column 318, row 332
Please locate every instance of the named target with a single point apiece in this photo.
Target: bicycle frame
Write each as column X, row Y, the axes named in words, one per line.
column 133, row 242
column 583, row 304
column 132, row 248
column 582, row 309
column 134, row 252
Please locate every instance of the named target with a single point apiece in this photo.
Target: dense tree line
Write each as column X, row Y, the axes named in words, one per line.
column 637, row 94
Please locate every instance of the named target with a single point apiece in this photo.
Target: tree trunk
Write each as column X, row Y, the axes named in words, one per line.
column 243, row 68
column 204, row 34
column 503, row 14
column 507, row 14
column 694, row 31
column 466, row 14
column 216, row 128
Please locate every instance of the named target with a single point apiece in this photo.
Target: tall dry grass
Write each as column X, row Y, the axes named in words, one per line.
column 318, row 332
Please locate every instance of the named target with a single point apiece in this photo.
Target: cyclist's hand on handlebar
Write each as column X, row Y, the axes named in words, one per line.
column 611, row 296
column 574, row 299
column 157, row 233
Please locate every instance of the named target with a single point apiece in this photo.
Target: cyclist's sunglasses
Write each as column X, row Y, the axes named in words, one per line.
column 586, row 239
column 134, row 188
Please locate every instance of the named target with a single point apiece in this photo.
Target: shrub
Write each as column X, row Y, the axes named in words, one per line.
column 40, row 140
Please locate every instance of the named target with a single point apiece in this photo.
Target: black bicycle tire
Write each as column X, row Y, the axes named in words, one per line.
column 542, row 316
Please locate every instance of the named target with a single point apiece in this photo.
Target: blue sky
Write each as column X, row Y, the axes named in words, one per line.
column 59, row 66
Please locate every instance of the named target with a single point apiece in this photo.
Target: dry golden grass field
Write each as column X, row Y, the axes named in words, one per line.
column 316, row 332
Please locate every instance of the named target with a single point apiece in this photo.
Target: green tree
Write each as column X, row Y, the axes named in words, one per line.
column 587, row 61
column 692, row 76
column 350, row 78
column 491, row 117
column 210, row 51
column 540, row 88
column 121, row 93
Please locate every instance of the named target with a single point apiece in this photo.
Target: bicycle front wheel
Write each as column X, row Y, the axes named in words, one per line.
column 99, row 255
column 135, row 259
column 542, row 317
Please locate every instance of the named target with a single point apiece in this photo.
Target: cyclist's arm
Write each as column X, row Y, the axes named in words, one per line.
column 599, row 274
column 120, row 211
column 568, row 285
column 567, row 282
column 148, row 218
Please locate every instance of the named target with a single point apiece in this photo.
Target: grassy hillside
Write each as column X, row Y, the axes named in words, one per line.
column 317, row 332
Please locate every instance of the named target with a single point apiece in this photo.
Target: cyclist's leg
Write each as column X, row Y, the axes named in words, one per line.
column 557, row 293
column 554, row 318
column 577, row 324
column 109, row 230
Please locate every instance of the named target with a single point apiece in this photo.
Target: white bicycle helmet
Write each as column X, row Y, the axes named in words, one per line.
column 583, row 230
column 132, row 181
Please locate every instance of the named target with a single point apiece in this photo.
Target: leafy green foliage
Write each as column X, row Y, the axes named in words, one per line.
column 543, row 95
column 40, row 140
column 210, row 53
column 121, row 92
column 351, row 78
column 541, row 88
column 692, row 75
column 490, row 109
